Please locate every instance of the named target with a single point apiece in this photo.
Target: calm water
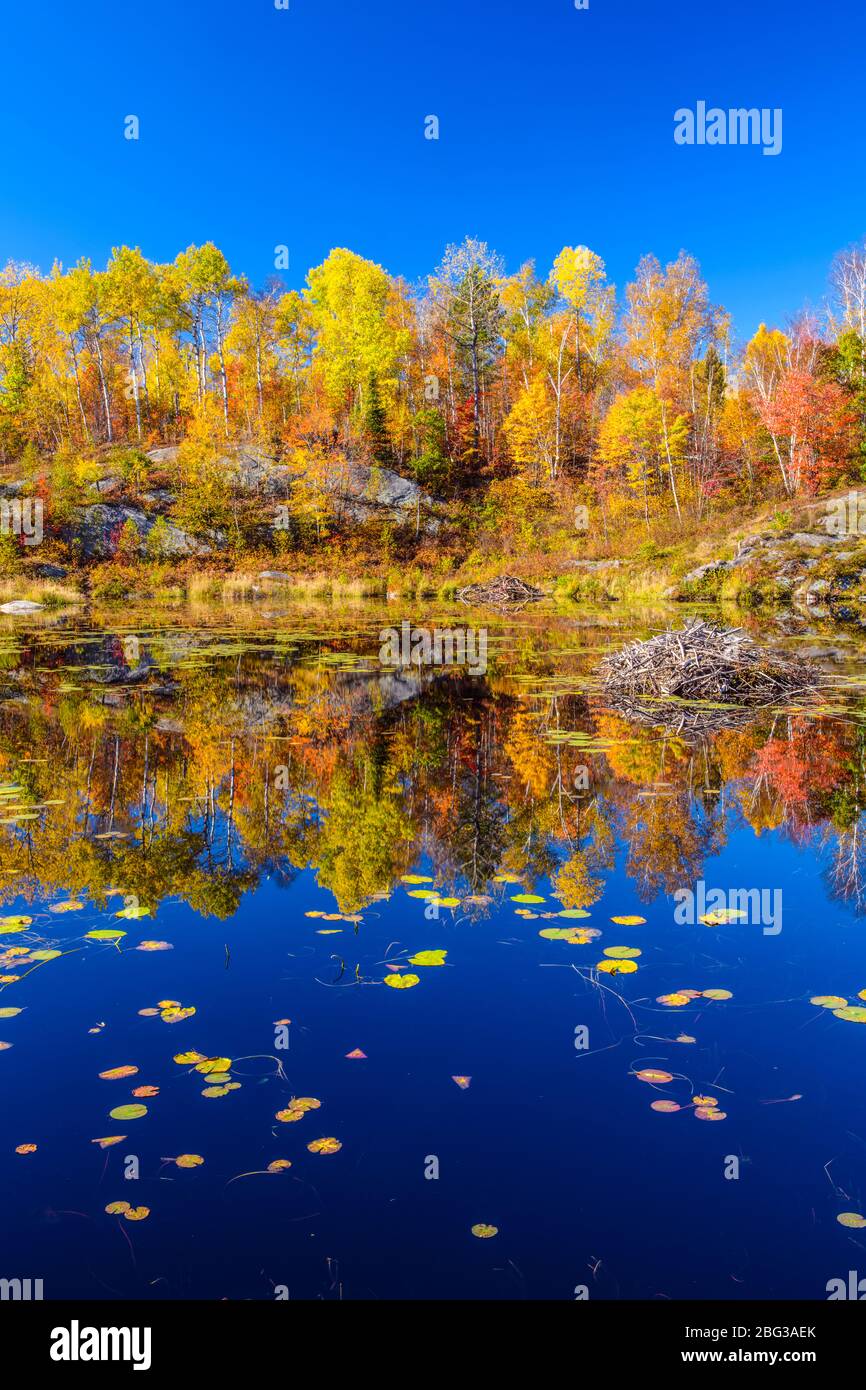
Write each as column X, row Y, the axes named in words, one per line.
column 264, row 802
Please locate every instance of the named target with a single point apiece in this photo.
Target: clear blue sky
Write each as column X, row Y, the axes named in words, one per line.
column 305, row 127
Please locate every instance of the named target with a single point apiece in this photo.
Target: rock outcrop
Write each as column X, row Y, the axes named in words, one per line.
column 358, row 491
column 100, row 525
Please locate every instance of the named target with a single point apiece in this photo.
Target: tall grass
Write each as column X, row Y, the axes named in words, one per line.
column 45, row 591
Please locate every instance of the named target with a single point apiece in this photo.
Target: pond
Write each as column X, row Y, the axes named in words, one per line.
column 343, row 980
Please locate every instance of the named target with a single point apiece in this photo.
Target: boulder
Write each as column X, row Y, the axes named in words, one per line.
column 816, row 590
column 814, row 538
column 101, row 523
column 166, row 453
column 250, row 469
column 20, row 605
column 110, row 483
column 697, row 576
column 360, row 492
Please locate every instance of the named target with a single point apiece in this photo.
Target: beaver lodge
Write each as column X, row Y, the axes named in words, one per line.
column 701, row 678
column 505, row 590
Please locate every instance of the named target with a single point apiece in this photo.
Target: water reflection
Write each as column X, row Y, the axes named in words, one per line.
column 211, row 760
column 220, row 842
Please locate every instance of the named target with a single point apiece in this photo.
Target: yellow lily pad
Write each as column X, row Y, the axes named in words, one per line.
column 325, row 1146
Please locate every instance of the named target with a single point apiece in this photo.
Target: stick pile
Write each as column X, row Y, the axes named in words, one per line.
column 505, row 590
column 705, row 664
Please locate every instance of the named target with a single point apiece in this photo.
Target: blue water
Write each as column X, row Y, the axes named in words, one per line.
column 556, row 1147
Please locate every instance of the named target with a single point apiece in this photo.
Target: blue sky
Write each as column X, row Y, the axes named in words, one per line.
column 305, row 127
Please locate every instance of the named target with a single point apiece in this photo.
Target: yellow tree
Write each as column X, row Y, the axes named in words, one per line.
column 580, row 282
column 358, row 339
column 765, row 362
column 530, row 428
column 636, row 443
column 130, row 293
column 669, row 325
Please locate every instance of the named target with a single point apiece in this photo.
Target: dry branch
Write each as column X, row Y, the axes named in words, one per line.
column 505, row 590
column 701, row 678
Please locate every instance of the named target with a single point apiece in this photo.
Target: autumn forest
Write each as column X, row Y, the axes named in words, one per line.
column 545, row 406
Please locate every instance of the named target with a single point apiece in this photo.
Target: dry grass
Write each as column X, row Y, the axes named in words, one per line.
column 48, row 592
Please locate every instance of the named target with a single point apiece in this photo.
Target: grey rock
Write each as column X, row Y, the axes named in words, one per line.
column 106, row 484
column 814, row 538
column 714, row 567
column 20, row 605
column 254, row 471
column 815, row 592
column 169, row 726
column 360, row 492
column 100, row 524
column 166, row 453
